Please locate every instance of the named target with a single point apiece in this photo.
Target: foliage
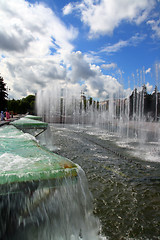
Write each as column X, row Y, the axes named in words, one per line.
column 3, row 94
column 23, row 105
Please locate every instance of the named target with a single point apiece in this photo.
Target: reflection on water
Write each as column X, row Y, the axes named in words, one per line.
column 123, row 177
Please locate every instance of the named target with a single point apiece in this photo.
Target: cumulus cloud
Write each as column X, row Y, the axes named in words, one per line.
column 29, row 33
column 37, row 51
column 32, row 29
column 27, row 75
column 68, row 9
column 104, row 16
column 80, row 68
column 94, row 82
column 10, row 40
column 105, row 85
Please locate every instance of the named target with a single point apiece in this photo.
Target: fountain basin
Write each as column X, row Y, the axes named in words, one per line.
column 27, row 123
column 23, row 159
column 34, row 117
column 29, row 174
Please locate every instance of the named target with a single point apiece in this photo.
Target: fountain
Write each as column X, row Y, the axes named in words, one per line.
column 43, row 195
column 117, row 141
column 122, row 115
column 133, row 119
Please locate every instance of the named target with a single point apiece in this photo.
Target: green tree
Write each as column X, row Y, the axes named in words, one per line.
column 13, row 105
column 23, row 105
column 3, row 94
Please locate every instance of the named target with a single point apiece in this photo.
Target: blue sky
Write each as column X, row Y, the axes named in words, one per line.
column 102, row 47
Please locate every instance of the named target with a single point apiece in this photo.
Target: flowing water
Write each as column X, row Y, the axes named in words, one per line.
column 123, row 174
column 118, row 147
column 40, row 209
column 64, row 212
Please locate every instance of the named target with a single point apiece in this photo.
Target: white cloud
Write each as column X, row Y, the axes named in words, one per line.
column 80, row 68
column 133, row 41
column 105, row 86
column 92, row 57
column 149, row 87
column 28, row 29
column 27, row 34
column 109, row 66
column 104, row 16
column 68, row 9
column 79, row 76
column 95, row 83
column 155, row 25
column 148, row 70
column 27, row 75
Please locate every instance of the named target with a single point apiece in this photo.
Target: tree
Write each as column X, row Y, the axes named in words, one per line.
column 23, row 105
column 3, row 94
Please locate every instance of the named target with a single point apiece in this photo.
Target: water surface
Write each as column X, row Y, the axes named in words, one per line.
column 123, row 177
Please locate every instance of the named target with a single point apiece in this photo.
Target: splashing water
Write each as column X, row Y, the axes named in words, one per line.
column 63, row 212
column 113, row 115
column 39, row 208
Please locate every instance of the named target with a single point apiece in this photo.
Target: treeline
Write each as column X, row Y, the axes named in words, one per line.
column 141, row 103
column 22, row 106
